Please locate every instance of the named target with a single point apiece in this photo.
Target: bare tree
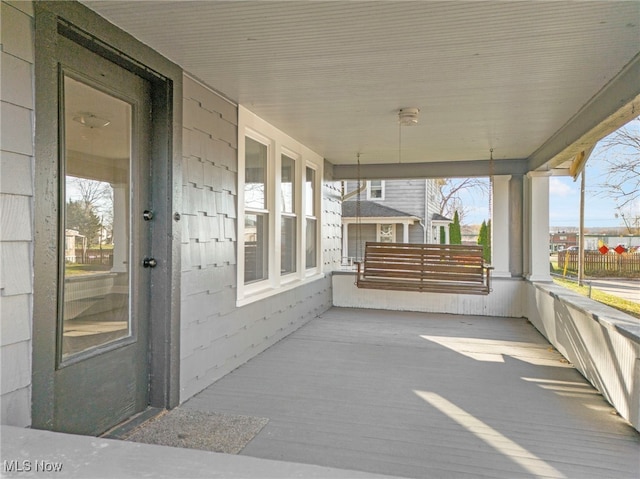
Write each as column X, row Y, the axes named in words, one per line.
column 96, row 198
column 621, row 155
column 92, row 193
column 450, row 194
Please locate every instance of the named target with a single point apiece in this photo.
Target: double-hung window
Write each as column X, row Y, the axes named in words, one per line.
column 375, row 190
column 256, row 212
column 311, row 219
column 279, row 198
column 288, row 228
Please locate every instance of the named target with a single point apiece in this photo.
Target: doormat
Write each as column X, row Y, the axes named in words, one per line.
column 206, row 431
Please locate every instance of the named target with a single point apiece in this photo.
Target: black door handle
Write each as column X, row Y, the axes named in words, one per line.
column 149, row 263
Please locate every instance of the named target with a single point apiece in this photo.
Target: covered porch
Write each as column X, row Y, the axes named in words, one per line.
column 357, row 392
column 452, row 386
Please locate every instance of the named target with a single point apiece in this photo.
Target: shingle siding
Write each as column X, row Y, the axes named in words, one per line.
column 16, row 210
column 217, row 336
column 331, row 222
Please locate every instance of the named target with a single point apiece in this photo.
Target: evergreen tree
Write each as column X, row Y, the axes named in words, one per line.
column 484, row 239
column 455, row 234
column 482, row 235
column 442, row 235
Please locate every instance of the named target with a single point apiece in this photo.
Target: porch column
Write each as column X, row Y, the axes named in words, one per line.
column 446, row 234
column 538, row 227
column 500, row 226
column 405, row 232
column 120, row 227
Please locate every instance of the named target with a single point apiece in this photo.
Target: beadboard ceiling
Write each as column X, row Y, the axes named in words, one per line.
column 333, row 75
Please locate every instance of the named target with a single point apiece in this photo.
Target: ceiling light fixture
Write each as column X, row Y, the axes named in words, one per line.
column 408, row 116
column 91, row 121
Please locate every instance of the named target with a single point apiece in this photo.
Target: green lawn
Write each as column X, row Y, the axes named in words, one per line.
column 74, row 269
column 629, row 307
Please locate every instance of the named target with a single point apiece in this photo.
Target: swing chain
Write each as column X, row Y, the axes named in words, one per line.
column 358, row 212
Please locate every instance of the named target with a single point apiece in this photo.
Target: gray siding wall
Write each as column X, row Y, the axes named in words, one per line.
column 405, row 195
column 217, row 336
column 16, row 210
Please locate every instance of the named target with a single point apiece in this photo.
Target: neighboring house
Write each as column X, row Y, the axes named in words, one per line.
column 401, row 211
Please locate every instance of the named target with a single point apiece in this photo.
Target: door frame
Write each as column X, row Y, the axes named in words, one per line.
column 91, row 31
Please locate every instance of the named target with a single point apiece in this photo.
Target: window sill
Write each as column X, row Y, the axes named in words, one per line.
column 267, row 291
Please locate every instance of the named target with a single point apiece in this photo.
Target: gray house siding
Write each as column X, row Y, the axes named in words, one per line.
column 16, row 206
column 217, row 336
column 405, row 195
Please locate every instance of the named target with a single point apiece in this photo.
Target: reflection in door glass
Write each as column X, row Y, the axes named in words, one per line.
column 97, row 161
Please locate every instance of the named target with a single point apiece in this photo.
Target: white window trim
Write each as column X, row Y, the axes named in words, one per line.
column 382, row 193
column 278, row 144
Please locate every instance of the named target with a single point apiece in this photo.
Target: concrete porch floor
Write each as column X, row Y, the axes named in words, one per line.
column 426, row 395
column 355, row 393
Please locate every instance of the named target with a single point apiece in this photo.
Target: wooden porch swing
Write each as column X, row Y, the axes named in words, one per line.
column 439, row 268
column 436, row 268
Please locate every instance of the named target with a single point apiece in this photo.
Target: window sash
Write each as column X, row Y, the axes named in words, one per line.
column 311, row 247
column 256, row 247
column 288, row 245
column 287, row 184
column 375, row 190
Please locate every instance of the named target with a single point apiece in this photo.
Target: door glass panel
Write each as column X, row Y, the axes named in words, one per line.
column 95, row 269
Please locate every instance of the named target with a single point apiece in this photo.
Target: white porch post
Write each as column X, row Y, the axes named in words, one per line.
column 120, row 228
column 405, row 232
column 500, row 226
column 538, row 202
column 446, row 234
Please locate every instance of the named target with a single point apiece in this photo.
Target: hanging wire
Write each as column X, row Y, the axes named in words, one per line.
column 399, row 141
column 490, row 223
column 491, row 166
column 358, row 212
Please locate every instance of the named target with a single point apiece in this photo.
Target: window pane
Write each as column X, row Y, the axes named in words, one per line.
column 255, row 193
column 311, row 243
column 310, row 184
column 96, row 281
column 288, row 247
column 375, row 189
column 256, row 244
column 287, row 184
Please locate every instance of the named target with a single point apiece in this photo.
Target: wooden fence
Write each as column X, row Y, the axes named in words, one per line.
column 92, row 256
column 597, row 264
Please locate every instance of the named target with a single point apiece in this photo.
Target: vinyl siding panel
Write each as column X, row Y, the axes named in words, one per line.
column 405, row 195
column 16, row 210
column 216, row 335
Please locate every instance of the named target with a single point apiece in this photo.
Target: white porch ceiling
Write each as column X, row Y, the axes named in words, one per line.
column 512, row 76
